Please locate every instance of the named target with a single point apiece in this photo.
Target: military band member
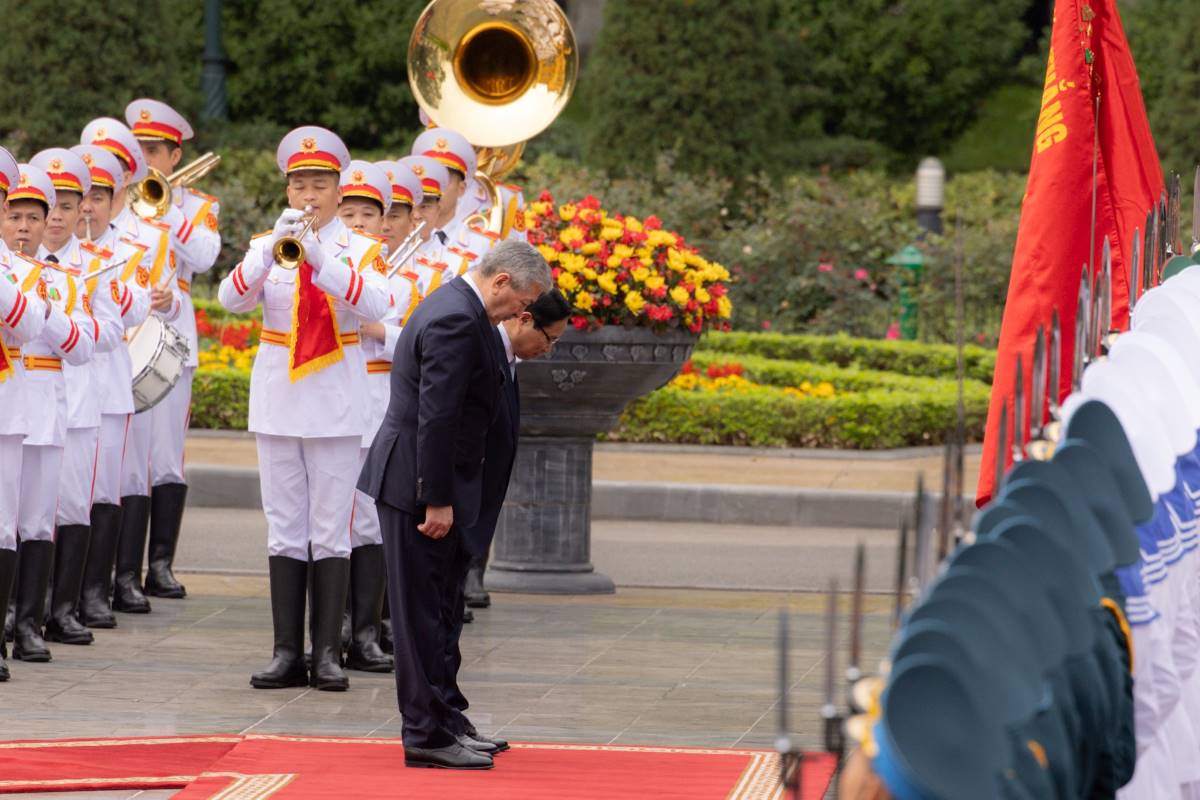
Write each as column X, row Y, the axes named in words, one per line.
column 22, row 316
column 306, row 398
column 129, row 289
column 195, row 245
column 431, row 261
column 69, row 335
column 72, row 180
column 166, row 303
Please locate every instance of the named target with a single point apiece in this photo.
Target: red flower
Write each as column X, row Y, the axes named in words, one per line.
column 591, row 201
column 580, row 322
column 652, row 223
column 766, row 324
column 546, row 197
column 688, row 369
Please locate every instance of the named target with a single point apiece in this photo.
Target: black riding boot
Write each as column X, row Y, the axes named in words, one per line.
column 288, row 579
column 131, row 549
column 477, row 596
column 8, row 569
column 33, row 574
column 95, row 600
column 166, row 518
column 70, row 554
column 330, row 576
column 367, row 579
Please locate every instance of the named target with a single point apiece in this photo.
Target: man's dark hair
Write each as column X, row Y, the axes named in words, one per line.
column 549, row 308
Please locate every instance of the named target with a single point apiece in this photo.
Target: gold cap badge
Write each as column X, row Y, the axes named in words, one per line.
column 309, row 144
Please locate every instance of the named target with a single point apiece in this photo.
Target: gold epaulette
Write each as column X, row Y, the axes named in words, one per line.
column 96, row 250
column 202, row 195
column 260, row 235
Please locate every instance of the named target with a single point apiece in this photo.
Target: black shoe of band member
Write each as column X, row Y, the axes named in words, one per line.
column 70, row 555
column 8, row 570
column 330, row 576
column 468, row 616
column 499, row 745
column 95, row 600
column 476, row 745
column 367, row 579
column 477, row 596
column 166, row 518
column 131, row 549
column 454, row 756
column 289, row 578
column 33, row 574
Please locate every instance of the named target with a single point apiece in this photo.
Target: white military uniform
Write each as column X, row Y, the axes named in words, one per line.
column 22, row 317
column 69, row 335
column 310, row 429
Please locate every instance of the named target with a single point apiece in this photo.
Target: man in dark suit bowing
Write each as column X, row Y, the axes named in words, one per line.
column 529, row 335
column 425, row 471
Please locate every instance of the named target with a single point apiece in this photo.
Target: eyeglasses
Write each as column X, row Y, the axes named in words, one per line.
column 549, row 342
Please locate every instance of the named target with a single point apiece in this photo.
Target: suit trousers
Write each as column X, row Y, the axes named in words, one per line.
column 169, row 423
column 135, row 466
column 11, row 457
column 114, row 433
column 421, row 586
column 78, row 475
column 41, row 470
column 308, row 494
column 366, row 518
column 454, row 604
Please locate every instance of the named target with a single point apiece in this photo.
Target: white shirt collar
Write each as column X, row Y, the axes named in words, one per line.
column 470, row 279
column 508, row 351
column 63, row 254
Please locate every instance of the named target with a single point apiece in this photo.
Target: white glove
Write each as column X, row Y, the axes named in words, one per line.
column 290, row 222
column 313, row 253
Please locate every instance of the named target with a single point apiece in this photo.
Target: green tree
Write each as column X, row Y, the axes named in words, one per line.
column 908, row 74
column 699, row 77
column 1162, row 34
column 88, row 60
column 336, row 63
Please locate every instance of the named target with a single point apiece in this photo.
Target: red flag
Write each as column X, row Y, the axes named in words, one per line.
column 1089, row 59
column 316, row 342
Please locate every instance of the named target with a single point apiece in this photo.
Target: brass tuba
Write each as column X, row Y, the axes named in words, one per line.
column 498, row 72
column 151, row 198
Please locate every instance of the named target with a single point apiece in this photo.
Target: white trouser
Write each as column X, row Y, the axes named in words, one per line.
column 169, row 424
column 78, row 472
column 114, row 431
column 135, row 467
column 308, row 494
column 366, row 528
column 41, row 468
column 10, row 488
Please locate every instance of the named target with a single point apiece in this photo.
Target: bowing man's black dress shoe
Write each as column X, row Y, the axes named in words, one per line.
column 453, row 756
column 493, row 744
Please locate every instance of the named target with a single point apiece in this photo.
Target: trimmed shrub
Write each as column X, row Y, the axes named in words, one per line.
column 221, row 399
column 896, row 357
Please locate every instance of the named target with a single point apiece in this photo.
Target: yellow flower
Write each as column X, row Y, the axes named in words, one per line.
column 567, row 212
column 531, row 219
column 633, row 224
column 608, row 282
column 688, row 382
column 622, row 251
column 548, row 252
column 570, row 234
column 675, row 260
column 567, row 281
column 694, row 260
column 610, row 233
column 541, row 208
column 640, row 274
column 823, row 389
column 661, row 238
column 589, row 273
column 571, row 261
column 647, row 261
column 702, row 295
column 655, row 282
column 680, row 296
column 584, row 301
column 635, row 302
column 590, row 249
column 724, row 307
column 613, row 262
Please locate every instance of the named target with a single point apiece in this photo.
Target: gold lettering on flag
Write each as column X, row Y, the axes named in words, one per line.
column 1051, row 129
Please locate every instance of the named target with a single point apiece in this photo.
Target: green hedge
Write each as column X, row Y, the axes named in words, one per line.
column 905, row 358
column 221, row 399
column 875, row 419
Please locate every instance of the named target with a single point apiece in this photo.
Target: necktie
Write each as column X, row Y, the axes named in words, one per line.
column 441, row 236
column 53, row 259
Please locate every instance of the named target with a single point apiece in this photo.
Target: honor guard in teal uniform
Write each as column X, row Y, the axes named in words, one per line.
column 23, row 315
column 69, row 335
column 195, row 242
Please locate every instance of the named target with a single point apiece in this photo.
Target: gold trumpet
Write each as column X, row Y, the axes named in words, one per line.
column 498, row 72
column 151, row 198
column 405, row 250
column 289, row 251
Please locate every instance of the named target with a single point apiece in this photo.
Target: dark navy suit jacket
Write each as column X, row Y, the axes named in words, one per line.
column 500, row 454
column 446, row 386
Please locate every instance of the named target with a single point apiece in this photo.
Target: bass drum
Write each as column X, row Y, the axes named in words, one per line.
column 159, row 353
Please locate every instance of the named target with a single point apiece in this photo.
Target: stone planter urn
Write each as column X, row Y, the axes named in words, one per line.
column 543, row 538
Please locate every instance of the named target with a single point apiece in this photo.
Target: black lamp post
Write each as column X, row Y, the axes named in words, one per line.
column 212, row 74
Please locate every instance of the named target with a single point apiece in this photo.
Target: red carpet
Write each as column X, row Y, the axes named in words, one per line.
column 289, row 767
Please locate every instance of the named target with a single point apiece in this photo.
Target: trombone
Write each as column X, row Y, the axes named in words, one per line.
column 406, row 250
column 289, row 251
column 151, row 198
